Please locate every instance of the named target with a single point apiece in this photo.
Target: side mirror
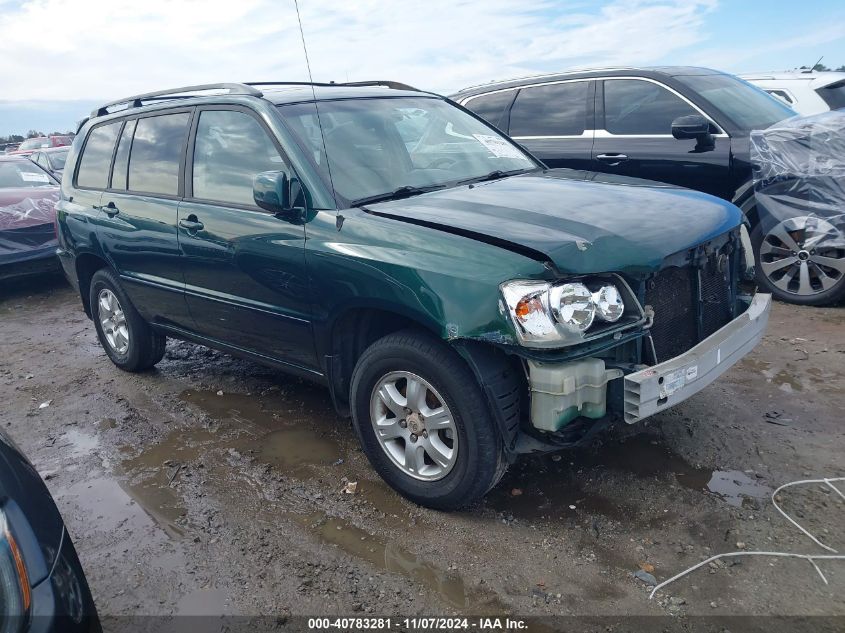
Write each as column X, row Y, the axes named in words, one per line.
column 693, row 126
column 271, row 191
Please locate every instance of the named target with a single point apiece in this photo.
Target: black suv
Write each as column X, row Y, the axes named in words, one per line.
column 680, row 125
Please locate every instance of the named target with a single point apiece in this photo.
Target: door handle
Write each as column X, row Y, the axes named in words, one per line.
column 612, row 159
column 191, row 225
column 109, row 209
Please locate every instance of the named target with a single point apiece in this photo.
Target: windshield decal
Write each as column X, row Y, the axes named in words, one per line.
column 499, row 147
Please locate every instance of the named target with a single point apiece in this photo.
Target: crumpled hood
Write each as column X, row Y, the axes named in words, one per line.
column 581, row 221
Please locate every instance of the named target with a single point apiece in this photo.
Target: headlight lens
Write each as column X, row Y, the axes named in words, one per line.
column 549, row 315
column 15, row 594
column 572, row 306
column 609, row 304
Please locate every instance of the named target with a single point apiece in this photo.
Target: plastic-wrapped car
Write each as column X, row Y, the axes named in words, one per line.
column 799, row 184
column 28, row 196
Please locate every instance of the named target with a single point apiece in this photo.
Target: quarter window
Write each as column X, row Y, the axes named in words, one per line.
column 96, row 157
column 157, row 152
column 554, row 110
column 632, row 106
column 231, row 148
column 493, row 107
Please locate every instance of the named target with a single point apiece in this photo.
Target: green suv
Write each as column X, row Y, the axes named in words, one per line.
column 461, row 302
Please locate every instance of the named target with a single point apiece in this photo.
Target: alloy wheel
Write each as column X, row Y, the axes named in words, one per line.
column 113, row 321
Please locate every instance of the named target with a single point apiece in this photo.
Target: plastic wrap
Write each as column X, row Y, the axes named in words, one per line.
column 26, row 229
column 799, row 177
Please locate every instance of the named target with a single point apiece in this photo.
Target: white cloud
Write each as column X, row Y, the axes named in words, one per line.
column 82, row 49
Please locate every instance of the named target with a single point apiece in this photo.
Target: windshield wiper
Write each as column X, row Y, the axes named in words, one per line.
column 406, row 191
column 493, row 175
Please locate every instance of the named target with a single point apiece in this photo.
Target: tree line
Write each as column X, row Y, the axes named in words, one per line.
column 17, row 138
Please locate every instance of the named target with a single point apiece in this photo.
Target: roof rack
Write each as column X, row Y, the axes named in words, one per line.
column 393, row 85
column 177, row 93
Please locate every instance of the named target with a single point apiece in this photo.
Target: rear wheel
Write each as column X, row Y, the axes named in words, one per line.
column 423, row 421
column 127, row 339
column 801, row 260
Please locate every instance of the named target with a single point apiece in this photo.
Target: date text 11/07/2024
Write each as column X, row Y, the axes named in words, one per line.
column 418, row 623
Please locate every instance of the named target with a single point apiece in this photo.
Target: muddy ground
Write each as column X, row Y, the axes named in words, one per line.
column 214, row 485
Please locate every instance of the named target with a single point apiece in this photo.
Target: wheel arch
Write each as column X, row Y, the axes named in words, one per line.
column 86, row 265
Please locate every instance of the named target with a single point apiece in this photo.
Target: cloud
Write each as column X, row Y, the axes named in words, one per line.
column 86, row 49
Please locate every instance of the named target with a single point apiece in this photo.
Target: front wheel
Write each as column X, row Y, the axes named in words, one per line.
column 801, row 260
column 423, row 421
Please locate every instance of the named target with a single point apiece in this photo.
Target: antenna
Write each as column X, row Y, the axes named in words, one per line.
column 816, row 64
column 316, row 106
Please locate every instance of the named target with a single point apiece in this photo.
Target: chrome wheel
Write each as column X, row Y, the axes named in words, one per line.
column 414, row 426
column 113, row 321
column 803, row 256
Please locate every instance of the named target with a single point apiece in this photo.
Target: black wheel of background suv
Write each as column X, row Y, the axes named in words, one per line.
column 423, row 422
column 800, row 260
column 128, row 340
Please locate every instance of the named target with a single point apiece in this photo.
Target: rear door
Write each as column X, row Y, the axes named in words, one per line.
column 634, row 138
column 245, row 270
column 138, row 214
column 555, row 122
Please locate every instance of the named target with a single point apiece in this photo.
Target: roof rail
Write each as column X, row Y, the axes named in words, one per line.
column 175, row 93
column 393, row 85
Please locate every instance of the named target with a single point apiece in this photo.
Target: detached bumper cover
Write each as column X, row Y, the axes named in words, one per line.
column 673, row 381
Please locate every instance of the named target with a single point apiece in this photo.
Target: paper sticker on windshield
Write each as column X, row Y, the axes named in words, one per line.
column 30, row 176
column 499, row 147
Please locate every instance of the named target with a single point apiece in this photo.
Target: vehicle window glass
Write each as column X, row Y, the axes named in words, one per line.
column 780, row 94
column 157, row 152
column 555, row 110
column 747, row 106
column 121, row 158
column 376, row 146
column 35, row 143
column 632, row 106
column 230, row 149
column 833, row 95
column 96, row 157
column 23, row 174
column 493, row 107
column 57, row 159
column 35, row 157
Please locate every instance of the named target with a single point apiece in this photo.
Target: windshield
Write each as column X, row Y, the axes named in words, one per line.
column 749, row 107
column 22, row 174
column 35, row 143
column 378, row 146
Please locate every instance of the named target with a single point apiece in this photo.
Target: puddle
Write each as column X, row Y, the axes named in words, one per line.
column 390, row 557
column 79, row 442
column 540, row 488
column 733, row 486
column 206, row 602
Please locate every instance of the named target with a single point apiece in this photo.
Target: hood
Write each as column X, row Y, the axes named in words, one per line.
column 582, row 222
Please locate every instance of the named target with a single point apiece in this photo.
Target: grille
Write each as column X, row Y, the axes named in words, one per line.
column 674, row 294
column 675, row 329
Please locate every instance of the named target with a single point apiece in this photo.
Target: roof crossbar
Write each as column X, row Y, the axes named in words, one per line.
column 176, row 93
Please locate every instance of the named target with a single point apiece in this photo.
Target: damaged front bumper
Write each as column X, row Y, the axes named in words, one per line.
column 659, row 387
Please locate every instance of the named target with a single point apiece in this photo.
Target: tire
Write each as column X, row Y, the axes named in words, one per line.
column 139, row 347
column 478, row 460
column 790, row 288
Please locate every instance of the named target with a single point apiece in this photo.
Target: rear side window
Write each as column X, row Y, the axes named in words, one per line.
column 157, row 152
column 121, row 159
column 96, row 157
column 632, row 106
column 493, row 107
column 555, row 110
column 230, row 149
column 833, row 95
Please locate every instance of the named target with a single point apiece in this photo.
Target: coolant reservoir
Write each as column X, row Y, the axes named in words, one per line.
column 560, row 392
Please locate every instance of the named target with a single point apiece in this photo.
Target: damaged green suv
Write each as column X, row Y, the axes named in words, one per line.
column 460, row 301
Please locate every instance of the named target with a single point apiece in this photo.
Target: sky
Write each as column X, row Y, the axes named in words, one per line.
column 61, row 58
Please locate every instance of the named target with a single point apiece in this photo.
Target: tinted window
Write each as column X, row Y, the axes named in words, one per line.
column 157, row 152
column 556, row 110
column 833, row 95
column 493, row 107
column 749, row 107
column 96, row 157
column 121, row 159
column 641, row 107
column 231, row 148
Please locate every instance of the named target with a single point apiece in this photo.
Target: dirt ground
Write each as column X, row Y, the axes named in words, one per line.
column 212, row 485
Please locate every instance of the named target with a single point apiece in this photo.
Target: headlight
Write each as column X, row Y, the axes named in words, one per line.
column 15, row 594
column 551, row 315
